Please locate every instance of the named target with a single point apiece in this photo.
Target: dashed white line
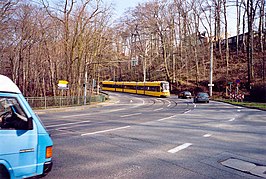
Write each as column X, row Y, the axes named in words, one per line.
column 65, row 124
column 187, row 112
column 207, row 135
column 232, row 119
column 117, row 102
column 180, row 147
column 238, row 110
column 166, row 118
column 158, row 109
column 134, row 114
column 103, row 131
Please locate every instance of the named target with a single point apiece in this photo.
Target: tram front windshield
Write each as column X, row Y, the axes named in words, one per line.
column 165, row 86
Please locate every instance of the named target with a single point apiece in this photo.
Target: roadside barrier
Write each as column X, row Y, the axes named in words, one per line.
column 63, row 101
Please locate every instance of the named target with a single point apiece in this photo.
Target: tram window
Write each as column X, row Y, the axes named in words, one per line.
column 119, row 86
column 154, row 88
column 140, row 87
column 130, row 87
column 108, row 85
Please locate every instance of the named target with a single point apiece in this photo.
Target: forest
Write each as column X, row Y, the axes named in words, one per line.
column 44, row 41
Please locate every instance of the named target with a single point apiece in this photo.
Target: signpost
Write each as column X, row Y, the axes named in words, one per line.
column 237, row 83
column 230, row 87
column 63, row 85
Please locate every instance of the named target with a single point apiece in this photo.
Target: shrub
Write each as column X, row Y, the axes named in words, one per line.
column 258, row 92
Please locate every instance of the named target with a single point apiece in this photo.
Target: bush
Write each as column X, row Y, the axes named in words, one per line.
column 258, row 92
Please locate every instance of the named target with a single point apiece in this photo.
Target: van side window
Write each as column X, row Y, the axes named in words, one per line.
column 12, row 115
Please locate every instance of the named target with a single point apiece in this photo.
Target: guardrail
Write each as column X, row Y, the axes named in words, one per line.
column 63, row 101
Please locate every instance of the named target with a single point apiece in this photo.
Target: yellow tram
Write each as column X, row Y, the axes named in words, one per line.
column 156, row 88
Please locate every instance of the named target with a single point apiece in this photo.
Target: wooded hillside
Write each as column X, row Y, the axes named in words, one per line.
column 42, row 42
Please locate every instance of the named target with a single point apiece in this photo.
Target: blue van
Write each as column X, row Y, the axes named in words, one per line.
column 25, row 146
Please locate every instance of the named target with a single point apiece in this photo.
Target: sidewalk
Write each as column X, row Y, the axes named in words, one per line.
column 75, row 108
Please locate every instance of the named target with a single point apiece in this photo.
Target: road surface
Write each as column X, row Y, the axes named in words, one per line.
column 135, row 136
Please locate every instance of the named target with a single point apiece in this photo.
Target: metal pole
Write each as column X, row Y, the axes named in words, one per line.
column 85, row 84
column 144, row 70
column 211, row 67
column 211, row 55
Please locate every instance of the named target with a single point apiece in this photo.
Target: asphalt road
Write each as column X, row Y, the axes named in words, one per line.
column 146, row 137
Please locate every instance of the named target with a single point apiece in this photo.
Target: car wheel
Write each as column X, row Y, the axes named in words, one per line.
column 4, row 173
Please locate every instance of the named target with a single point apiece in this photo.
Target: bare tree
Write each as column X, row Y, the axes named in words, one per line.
column 226, row 39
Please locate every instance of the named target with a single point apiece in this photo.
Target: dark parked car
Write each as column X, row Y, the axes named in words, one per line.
column 201, row 97
column 185, row 95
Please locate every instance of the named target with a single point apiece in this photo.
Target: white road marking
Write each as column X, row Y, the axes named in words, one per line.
column 134, row 114
column 65, row 124
column 88, row 114
column 64, row 132
column 180, row 147
column 166, row 118
column 158, row 109
column 187, row 112
column 232, row 119
column 207, row 135
column 169, row 103
column 117, row 102
column 68, row 127
column 131, row 100
column 238, row 110
column 108, row 130
column 239, row 107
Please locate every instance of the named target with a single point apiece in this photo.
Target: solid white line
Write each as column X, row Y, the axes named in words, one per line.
column 158, row 109
column 134, row 114
column 65, row 124
column 232, row 119
column 68, row 127
column 180, row 147
column 108, row 130
column 64, row 132
column 207, row 135
column 88, row 114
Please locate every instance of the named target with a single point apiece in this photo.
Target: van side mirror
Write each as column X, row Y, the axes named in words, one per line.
column 30, row 123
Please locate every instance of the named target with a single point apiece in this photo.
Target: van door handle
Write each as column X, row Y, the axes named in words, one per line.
column 26, row 150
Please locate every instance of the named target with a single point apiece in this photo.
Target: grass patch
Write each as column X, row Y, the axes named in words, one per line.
column 246, row 104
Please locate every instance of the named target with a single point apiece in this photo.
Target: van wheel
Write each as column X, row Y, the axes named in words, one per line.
column 4, row 173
